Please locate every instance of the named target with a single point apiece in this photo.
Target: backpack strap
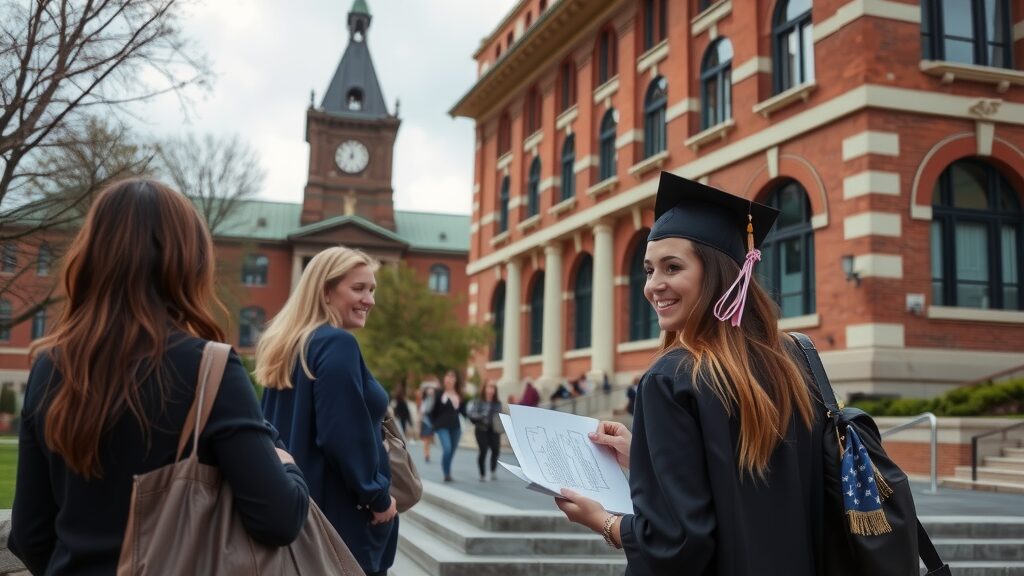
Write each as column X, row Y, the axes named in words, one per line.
column 926, row 550
column 211, row 371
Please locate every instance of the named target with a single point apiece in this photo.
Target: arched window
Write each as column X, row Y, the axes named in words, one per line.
column 5, row 320
column 977, row 32
column 439, row 278
column 534, row 104
column 537, row 314
column 355, row 99
column 703, row 5
column 543, row 5
column 654, row 116
column 787, row 255
column 254, row 270
column 606, row 145
column 643, row 322
column 567, row 85
column 44, row 260
column 583, row 300
column 503, row 201
column 498, row 313
column 793, row 44
column 504, row 135
column 533, row 189
column 250, row 326
column 976, row 238
column 655, row 22
column 529, row 19
column 716, row 83
column 607, row 56
column 39, row 324
column 569, row 167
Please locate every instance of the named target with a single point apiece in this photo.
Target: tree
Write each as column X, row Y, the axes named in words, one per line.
column 216, row 173
column 413, row 332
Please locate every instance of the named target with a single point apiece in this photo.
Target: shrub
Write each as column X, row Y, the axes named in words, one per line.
column 990, row 398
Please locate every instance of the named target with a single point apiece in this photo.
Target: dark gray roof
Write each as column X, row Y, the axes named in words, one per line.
column 356, row 72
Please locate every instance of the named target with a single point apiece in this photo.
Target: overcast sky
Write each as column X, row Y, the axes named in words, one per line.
column 269, row 54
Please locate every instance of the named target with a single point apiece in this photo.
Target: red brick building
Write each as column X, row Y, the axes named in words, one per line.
column 889, row 132
column 263, row 246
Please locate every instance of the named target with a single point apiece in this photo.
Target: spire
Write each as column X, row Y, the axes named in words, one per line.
column 354, row 89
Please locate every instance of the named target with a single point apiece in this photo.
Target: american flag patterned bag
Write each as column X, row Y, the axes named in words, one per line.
column 870, row 522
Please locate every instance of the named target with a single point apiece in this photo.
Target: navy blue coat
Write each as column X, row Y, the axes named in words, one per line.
column 332, row 426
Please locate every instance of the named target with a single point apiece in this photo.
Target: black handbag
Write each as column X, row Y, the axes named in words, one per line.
column 870, row 522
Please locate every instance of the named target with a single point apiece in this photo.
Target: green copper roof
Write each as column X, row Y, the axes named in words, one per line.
column 260, row 220
column 434, row 232
column 339, row 220
column 360, row 7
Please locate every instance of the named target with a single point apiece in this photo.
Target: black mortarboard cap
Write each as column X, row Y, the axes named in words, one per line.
column 691, row 210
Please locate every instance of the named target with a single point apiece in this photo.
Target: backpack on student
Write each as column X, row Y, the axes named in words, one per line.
column 870, row 523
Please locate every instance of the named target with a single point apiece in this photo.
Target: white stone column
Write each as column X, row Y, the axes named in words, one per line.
column 551, row 369
column 602, row 316
column 509, row 383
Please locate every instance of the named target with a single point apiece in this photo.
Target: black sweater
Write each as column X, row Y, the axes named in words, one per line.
column 64, row 524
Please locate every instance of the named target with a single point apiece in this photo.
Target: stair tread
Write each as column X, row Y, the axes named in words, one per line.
column 982, row 482
column 405, row 566
column 965, row 540
column 464, row 527
column 992, row 469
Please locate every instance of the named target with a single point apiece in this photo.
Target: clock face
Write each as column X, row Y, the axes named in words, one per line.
column 352, row 156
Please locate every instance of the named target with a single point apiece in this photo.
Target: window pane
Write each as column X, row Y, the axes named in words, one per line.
column 995, row 21
column 1008, row 201
column 791, row 200
column 959, row 51
column 972, row 265
column 958, row 18
column 807, row 74
column 969, row 186
column 791, row 44
column 1011, row 272
column 796, row 8
column 726, row 95
column 712, row 96
column 936, row 254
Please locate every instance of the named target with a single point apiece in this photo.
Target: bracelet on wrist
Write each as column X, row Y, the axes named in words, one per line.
column 606, row 530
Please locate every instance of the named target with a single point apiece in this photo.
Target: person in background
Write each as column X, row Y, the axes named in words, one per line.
column 425, row 400
column 530, row 396
column 400, row 407
column 448, row 407
column 112, row 385
column 327, row 405
column 483, row 413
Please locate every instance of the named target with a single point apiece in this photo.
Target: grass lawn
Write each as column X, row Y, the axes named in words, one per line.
column 8, row 468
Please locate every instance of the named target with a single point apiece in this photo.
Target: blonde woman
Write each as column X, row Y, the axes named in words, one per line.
column 328, row 407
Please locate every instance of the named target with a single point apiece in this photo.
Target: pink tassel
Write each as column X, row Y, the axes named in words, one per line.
column 734, row 311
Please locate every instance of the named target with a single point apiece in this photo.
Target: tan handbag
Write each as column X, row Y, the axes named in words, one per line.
column 406, row 486
column 182, row 519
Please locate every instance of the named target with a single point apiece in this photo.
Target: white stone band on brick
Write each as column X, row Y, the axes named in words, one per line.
column 881, row 335
column 871, row 182
column 872, row 224
column 871, row 142
column 878, row 266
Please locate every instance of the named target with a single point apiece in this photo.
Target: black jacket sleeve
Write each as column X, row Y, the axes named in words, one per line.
column 673, row 525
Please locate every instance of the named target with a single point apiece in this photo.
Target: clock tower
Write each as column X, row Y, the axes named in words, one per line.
column 351, row 137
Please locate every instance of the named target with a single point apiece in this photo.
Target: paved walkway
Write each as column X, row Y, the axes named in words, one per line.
column 509, row 490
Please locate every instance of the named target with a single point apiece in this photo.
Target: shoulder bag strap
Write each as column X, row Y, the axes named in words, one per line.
column 211, row 371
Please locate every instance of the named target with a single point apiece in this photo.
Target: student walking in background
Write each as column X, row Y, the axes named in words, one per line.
column 113, row 383
column 425, row 403
column 400, row 407
column 327, row 406
column 448, row 406
column 483, row 413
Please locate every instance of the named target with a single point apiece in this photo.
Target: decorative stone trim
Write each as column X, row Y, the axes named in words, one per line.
column 648, row 164
column 800, row 322
column 584, row 163
column 785, row 99
column 487, row 219
column 563, row 206
column 756, row 65
column 634, row 135
column 878, row 334
column 581, row 353
column 536, row 359
column 879, row 266
column 872, row 224
column 533, row 140
column 716, row 132
column 871, row 142
column 650, row 58
column 638, row 345
column 975, row 314
column 948, row 72
column 603, row 187
column 552, row 182
column 499, row 238
column 606, row 90
column 871, row 182
column 494, row 365
column 684, row 106
column 567, row 118
column 504, row 160
column 710, row 16
column 474, row 227
column 530, row 222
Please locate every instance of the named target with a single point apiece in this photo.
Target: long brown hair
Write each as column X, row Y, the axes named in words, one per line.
column 141, row 266
column 748, row 368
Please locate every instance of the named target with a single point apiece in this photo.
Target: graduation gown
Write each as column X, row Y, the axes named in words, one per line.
column 695, row 514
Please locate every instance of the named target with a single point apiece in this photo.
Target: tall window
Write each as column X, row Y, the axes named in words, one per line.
column 5, row 320
column 537, row 314
column 567, row 85
column 43, row 260
column 970, row 32
column 607, row 145
column 250, row 326
column 439, row 279
column 503, row 201
column 793, row 44
column 498, row 313
column 504, row 135
column 716, row 83
column 655, row 22
column 583, row 300
column 39, row 324
column 569, row 167
column 355, row 100
column 534, row 103
column 607, row 56
column 703, row 5
column 643, row 322
column 787, row 255
column 976, row 242
column 9, row 258
column 533, row 189
column 654, row 116
column 254, row 270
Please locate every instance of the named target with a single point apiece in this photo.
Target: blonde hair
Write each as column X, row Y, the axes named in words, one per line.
column 307, row 309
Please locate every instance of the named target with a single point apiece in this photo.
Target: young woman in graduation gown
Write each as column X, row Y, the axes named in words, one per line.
column 724, row 446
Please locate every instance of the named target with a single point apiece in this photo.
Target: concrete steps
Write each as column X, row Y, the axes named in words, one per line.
column 979, row 545
column 1004, row 473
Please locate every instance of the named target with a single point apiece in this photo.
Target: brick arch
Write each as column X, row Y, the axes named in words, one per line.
column 572, row 269
column 792, row 167
column 626, row 256
column 1004, row 155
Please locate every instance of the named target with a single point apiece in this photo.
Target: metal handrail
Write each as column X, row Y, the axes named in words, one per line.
column 974, row 445
column 933, row 422
column 994, row 376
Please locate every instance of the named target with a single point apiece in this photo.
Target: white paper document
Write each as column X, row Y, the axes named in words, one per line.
column 554, row 452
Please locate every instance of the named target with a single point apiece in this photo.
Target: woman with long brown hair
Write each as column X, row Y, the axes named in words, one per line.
column 111, row 387
column 722, row 453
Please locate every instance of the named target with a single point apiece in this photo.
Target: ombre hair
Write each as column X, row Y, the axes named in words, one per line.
column 141, row 266
column 747, row 368
column 284, row 340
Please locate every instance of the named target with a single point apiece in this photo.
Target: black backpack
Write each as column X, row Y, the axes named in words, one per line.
column 870, row 523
